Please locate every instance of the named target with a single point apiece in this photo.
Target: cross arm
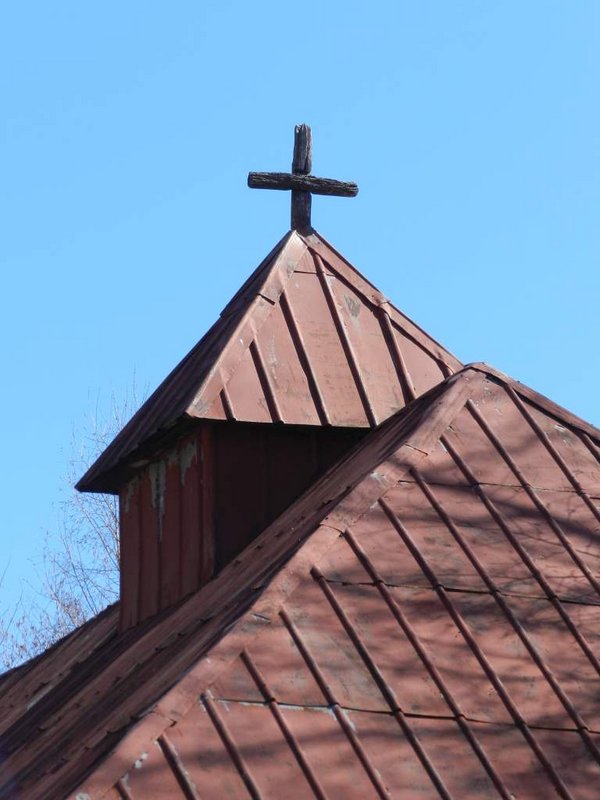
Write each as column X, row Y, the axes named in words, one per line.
column 303, row 183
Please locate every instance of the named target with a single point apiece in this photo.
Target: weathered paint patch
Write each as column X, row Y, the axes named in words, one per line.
column 130, row 490
column 139, row 762
column 187, row 454
column 354, row 306
column 157, row 474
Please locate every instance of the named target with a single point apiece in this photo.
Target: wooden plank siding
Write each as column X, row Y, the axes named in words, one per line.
column 189, row 512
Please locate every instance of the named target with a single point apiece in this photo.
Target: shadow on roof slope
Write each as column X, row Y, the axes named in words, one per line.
column 431, row 604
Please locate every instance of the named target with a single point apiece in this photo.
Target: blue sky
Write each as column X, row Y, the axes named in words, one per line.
column 127, row 133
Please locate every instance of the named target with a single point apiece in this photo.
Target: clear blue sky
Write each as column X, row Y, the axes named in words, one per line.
column 472, row 129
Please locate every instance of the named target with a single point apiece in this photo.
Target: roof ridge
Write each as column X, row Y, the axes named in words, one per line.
column 151, row 409
column 296, row 538
column 538, row 399
column 195, row 641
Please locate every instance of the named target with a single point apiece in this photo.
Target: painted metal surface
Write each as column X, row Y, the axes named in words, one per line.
column 306, row 341
column 423, row 622
column 194, row 508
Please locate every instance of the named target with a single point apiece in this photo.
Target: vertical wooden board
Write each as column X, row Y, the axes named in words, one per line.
column 205, row 757
column 324, row 350
column 192, row 528
column 241, row 490
column 290, row 466
column 245, row 393
column 424, row 371
column 170, row 540
column 129, row 577
column 332, row 444
column 376, row 367
column 207, row 494
column 286, row 374
column 149, row 543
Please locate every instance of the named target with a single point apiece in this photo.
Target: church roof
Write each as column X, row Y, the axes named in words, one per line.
column 306, row 341
column 423, row 622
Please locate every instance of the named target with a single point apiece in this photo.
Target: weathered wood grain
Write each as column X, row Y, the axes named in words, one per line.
column 306, row 183
column 302, row 161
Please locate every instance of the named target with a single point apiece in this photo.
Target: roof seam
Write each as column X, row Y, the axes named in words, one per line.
column 270, row 702
column 333, row 704
column 421, row 651
column 529, row 490
column 464, row 590
column 345, row 342
column 328, row 707
column 464, row 629
column 519, row 629
column 382, row 685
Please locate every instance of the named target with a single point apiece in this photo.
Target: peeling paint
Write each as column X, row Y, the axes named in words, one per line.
column 157, row 473
column 130, row 491
column 354, row 306
column 187, row 454
column 139, row 762
column 38, row 695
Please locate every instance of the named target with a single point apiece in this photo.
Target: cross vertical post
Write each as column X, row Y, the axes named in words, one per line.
column 301, row 165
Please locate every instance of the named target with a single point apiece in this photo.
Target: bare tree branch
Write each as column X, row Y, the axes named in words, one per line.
column 79, row 565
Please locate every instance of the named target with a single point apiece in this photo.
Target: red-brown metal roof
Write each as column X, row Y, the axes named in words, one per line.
column 306, row 341
column 424, row 622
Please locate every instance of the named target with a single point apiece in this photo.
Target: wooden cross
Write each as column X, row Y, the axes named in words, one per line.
column 300, row 181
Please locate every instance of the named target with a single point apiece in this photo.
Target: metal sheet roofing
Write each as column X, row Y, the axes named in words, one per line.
column 424, row 622
column 307, row 341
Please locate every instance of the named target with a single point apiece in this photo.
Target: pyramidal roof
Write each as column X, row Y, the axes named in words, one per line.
column 423, row 622
column 306, row 341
